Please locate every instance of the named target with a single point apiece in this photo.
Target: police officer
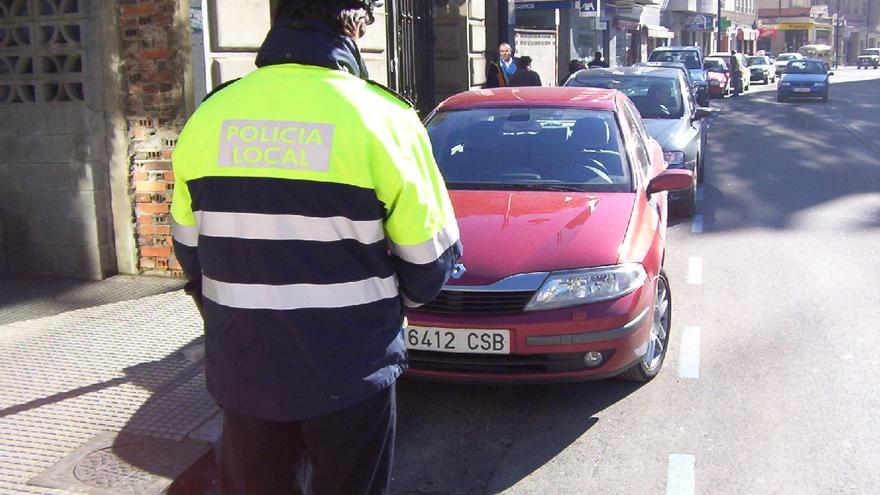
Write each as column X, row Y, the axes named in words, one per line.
column 308, row 211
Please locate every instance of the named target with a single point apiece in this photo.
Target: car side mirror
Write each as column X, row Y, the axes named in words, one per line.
column 672, row 179
column 831, row 73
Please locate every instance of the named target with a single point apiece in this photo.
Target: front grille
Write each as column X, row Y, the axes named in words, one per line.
column 478, row 303
column 498, row 363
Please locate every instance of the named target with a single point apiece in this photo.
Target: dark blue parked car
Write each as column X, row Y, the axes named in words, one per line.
column 804, row 79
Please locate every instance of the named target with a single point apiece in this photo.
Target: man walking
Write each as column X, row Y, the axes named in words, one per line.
column 598, row 61
column 498, row 72
column 736, row 73
column 308, row 210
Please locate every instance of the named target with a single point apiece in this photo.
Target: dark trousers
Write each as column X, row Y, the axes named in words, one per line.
column 347, row 453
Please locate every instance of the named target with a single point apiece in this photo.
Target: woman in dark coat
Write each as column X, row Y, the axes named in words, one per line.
column 524, row 75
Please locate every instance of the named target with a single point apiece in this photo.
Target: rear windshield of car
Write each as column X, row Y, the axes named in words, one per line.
column 786, row 57
column 538, row 148
column 655, row 97
column 715, row 64
column 805, row 67
column 689, row 58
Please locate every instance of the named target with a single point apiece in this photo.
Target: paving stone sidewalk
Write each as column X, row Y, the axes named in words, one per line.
column 107, row 398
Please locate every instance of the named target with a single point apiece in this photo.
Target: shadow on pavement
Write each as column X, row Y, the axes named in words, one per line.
column 458, row 439
column 775, row 161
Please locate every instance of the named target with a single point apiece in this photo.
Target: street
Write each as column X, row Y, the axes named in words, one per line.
column 771, row 383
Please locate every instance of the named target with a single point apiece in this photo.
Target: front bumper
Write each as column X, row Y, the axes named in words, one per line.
column 803, row 91
column 546, row 346
column 759, row 76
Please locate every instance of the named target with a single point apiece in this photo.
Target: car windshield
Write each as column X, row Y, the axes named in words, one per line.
column 871, row 52
column 689, row 58
column 540, row 148
column 805, row 67
column 655, row 97
column 783, row 58
column 755, row 61
column 715, row 64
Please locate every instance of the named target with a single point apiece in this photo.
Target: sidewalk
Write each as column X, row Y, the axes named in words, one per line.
column 101, row 386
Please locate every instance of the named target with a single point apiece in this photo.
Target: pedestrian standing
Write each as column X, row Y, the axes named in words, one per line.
column 308, row 211
column 524, row 75
column 498, row 71
column 598, row 61
column 735, row 73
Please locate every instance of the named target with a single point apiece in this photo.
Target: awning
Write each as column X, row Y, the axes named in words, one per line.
column 767, row 33
column 660, row 32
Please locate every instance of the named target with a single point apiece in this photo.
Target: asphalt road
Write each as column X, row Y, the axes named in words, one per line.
column 772, row 382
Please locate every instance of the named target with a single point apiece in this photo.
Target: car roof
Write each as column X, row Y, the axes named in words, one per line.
column 638, row 70
column 535, row 96
column 677, row 48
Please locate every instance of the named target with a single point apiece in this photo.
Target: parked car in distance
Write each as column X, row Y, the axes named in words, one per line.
column 746, row 81
column 783, row 59
column 700, row 91
column 870, row 57
column 692, row 57
column 804, row 79
column 719, row 77
column 761, row 68
column 559, row 196
column 663, row 99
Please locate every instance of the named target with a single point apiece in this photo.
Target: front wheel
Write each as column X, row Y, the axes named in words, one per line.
column 658, row 340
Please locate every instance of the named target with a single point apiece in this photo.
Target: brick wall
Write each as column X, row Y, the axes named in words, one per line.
column 151, row 45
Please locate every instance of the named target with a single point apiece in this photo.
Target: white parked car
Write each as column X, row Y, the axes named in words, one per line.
column 783, row 59
column 761, row 68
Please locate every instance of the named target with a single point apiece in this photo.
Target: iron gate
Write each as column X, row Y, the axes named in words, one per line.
column 411, row 51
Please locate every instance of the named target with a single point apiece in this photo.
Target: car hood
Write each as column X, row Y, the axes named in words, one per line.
column 666, row 131
column 789, row 77
column 505, row 233
column 698, row 75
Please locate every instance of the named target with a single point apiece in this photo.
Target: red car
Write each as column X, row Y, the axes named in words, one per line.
column 719, row 77
column 560, row 199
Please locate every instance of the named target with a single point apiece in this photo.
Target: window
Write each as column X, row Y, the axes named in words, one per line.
column 637, row 149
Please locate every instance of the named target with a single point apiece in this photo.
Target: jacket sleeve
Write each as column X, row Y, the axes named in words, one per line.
column 184, row 232
column 420, row 223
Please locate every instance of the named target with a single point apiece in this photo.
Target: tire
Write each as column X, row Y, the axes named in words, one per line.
column 825, row 98
column 780, row 98
column 685, row 208
column 701, row 170
column 766, row 80
column 648, row 366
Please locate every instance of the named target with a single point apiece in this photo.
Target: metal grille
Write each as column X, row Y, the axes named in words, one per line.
column 478, row 303
column 497, row 364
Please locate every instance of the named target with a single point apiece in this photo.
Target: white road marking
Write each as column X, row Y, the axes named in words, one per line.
column 697, row 224
column 680, row 476
column 699, row 193
column 689, row 353
column 695, row 271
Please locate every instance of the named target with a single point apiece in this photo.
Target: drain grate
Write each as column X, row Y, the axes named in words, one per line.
column 121, row 464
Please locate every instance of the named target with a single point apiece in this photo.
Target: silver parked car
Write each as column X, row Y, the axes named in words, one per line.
column 670, row 113
column 761, row 69
column 782, row 61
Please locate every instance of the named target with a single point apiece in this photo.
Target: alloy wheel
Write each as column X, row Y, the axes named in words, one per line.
column 659, row 337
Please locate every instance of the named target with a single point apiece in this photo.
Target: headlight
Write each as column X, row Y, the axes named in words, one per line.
column 589, row 285
column 674, row 158
column 819, row 84
column 783, row 83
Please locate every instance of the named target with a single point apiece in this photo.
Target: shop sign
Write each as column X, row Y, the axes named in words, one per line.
column 796, row 26
column 588, row 8
column 696, row 22
column 544, row 4
column 725, row 23
column 622, row 25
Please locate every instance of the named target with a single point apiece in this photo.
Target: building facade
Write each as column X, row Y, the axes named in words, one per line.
column 95, row 93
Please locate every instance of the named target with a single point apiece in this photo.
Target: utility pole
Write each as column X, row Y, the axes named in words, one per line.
column 837, row 35
column 718, row 41
column 870, row 28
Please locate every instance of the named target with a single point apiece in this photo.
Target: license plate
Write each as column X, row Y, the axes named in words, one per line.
column 801, row 90
column 457, row 340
